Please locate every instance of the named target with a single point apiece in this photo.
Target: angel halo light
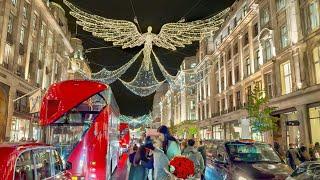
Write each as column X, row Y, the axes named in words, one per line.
column 125, row 34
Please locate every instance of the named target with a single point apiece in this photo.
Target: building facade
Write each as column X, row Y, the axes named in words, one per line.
column 78, row 62
column 179, row 104
column 272, row 44
column 156, row 110
column 34, row 53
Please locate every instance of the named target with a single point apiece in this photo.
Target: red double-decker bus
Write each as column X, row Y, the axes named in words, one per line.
column 80, row 118
column 124, row 140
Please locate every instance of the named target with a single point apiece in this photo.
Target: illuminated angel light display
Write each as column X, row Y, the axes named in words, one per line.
column 125, row 34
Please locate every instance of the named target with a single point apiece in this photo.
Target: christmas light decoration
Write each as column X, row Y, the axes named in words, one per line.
column 136, row 121
column 109, row 77
column 125, row 33
column 145, row 81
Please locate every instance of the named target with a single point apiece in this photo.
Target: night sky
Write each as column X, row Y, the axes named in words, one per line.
column 153, row 13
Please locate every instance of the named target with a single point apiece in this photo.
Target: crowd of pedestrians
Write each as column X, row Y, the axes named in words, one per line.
column 297, row 155
column 150, row 161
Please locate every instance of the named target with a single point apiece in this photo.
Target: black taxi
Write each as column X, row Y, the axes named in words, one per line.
column 244, row 160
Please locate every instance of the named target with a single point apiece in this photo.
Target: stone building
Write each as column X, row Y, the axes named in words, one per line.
column 273, row 44
column 156, row 110
column 179, row 105
column 34, row 53
column 78, row 62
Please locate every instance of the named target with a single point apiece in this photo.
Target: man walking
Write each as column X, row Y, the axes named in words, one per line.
column 193, row 154
column 293, row 156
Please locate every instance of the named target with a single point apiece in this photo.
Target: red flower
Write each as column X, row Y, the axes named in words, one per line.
column 183, row 167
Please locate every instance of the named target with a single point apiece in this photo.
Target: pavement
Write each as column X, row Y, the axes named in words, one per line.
column 122, row 169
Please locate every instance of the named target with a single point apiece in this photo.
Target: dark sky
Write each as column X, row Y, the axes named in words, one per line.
column 149, row 12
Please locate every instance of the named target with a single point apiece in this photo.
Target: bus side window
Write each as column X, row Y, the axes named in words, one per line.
column 57, row 162
column 24, row 167
column 42, row 161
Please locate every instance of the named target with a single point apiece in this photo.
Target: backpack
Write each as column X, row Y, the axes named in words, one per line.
column 194, row 157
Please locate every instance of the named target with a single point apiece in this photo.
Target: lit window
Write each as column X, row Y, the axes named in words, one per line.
column 34, row 21
column 38, row 75
column 10, row 24
column 316, row 61
column 7, row 54
column 268, row 84
column 222, row 83
column 314, row 15
column 284, row 36
column 257, row 60
column 42, row 31
column 245, row 10
column 50, row 41
column 248, row 67
column 264, row 16
column 19, row 60
column 286, row 82
column 24, row 12
column 193, row 65
column 40, row 52
column 14, row 2
column 281, row 4
column 22, row 33
column 267, row 53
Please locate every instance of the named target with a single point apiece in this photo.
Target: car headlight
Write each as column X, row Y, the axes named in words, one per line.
column 242, row 178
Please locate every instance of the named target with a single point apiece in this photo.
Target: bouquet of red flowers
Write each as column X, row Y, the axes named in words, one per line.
column 182, row 167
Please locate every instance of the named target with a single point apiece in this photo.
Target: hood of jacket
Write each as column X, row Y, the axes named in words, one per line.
column 190, row 149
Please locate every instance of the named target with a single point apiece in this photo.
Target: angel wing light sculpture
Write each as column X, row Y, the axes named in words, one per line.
column 125, row 34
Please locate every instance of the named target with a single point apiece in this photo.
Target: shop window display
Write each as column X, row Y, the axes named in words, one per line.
column 314, row 115
column 233, row 130
column 20, row 129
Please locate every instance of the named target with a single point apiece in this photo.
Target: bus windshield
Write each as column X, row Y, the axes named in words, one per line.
column 255, row 152
column 68, row 130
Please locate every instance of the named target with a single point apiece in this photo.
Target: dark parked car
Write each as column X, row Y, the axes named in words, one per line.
column 307, row 170
column 244, row 160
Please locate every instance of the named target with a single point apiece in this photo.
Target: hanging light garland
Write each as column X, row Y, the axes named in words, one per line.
column 136, row 121
column 125, row 33
column 110, row 76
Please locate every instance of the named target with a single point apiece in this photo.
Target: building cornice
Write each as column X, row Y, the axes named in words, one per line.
column 53, row 23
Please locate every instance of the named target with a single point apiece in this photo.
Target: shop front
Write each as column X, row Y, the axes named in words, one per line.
column 206, row 133
column 314, row 119
column 233, row 130
column 288, row 127
column 217, row 132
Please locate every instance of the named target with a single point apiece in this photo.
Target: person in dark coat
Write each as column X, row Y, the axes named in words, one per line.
column 202, row 150
column 137, row 171
column 293, row 156
column 304, row 154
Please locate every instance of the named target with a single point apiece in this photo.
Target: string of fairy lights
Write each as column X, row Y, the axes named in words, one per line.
column 136, row 121
column 125, row 34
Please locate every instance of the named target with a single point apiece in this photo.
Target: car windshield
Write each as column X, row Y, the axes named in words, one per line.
column 252, row 152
